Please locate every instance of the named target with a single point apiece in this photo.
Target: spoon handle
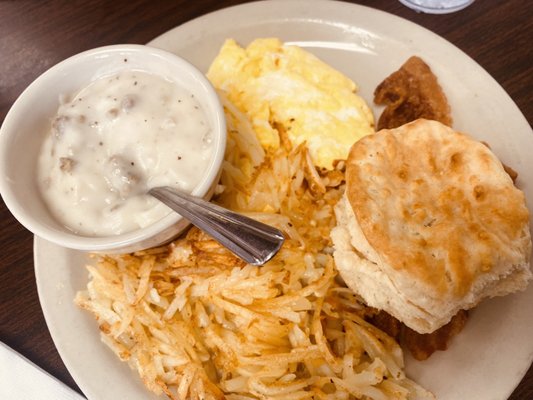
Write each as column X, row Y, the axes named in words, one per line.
column 251, row 240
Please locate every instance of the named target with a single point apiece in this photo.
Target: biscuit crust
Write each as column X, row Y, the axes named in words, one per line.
column 438, row 208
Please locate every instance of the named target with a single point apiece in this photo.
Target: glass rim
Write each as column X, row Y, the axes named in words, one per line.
column 435, row 10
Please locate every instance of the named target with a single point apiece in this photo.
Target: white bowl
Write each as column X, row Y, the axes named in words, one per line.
column 28, row 121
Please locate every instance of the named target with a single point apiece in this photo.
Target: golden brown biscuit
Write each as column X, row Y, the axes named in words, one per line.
column 431, row 224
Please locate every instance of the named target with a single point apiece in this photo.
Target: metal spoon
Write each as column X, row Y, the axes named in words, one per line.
column 251, row 240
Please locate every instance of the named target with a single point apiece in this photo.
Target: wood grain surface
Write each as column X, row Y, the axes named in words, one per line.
column 35, row 35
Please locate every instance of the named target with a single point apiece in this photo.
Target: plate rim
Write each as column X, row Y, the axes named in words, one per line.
column 38, row 242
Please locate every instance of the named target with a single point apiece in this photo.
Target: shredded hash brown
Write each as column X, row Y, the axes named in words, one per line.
column 197, row 323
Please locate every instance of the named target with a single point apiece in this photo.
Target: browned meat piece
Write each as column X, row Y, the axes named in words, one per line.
column 410, row 93
column 66, row 164
column 420, row 345
column 388, row 324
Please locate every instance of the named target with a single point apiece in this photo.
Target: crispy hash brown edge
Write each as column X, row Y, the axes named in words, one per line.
column 197, row 323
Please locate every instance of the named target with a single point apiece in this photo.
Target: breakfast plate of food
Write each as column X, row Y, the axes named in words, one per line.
column 323, row 318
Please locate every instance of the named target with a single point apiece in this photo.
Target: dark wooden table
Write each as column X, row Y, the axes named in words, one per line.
column 34, row 35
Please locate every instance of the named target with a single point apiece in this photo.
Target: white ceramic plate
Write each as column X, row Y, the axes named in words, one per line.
column 490, row 357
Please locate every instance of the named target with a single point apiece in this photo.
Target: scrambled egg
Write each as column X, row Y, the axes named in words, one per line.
column 289, row 94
